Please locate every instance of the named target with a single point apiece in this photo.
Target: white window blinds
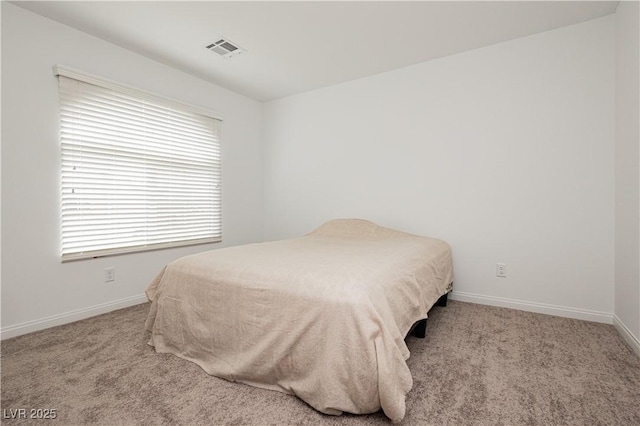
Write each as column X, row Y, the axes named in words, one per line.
column 138, row 172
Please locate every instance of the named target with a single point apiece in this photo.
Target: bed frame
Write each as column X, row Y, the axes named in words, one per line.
column 419, row 329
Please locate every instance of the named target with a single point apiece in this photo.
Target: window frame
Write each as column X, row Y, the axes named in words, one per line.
column 87, row 78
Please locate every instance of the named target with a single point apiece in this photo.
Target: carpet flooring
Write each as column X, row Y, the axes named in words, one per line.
column 478, row 365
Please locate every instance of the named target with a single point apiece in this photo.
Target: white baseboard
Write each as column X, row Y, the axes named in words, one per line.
column 65, row 318
column 626, row 334
column 541, row 308
column 582, row 314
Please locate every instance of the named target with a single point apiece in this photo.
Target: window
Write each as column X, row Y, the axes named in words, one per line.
column 138, row 172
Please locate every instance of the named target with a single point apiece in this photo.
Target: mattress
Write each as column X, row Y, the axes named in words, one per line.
column 322, row 316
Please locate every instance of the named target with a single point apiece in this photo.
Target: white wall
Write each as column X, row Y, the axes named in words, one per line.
column 37, row 290
column 506, row 152
column 627, row 166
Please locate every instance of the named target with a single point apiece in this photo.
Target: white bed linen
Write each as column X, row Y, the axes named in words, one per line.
column 322, row 316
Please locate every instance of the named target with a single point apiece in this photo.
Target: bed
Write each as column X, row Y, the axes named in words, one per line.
column 323, row 316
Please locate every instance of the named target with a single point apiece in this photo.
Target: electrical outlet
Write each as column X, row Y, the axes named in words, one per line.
column 501, row 270
column 109, row 275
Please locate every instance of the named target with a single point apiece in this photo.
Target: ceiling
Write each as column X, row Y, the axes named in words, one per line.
column 297, row 46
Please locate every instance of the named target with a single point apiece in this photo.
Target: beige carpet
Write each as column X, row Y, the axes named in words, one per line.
column 478, row 365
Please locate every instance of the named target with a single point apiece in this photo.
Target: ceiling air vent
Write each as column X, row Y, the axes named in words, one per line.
column 225, row 48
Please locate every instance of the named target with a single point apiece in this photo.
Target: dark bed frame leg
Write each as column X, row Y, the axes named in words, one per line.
column 420, row 329
column 443, row 300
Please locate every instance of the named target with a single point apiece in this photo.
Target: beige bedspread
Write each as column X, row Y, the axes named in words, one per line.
column 322, row 316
